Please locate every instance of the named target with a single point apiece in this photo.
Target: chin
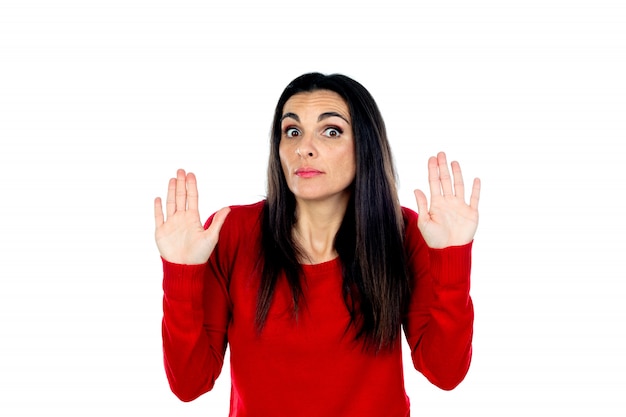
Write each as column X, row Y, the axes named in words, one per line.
column 321, row 197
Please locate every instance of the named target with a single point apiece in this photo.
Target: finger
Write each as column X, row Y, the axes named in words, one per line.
column 170, row 202
column 212, row 233
column 459, row 186
column 433, row 178
column 181, row 191
column 475, row 194
column 444, row 174
column 158, row 212
column 192, row 192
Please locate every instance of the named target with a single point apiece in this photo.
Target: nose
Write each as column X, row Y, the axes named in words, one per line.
column 306, row 148
column 304, row 154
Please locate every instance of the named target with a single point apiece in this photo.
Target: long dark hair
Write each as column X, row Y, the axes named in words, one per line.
column 370, row 239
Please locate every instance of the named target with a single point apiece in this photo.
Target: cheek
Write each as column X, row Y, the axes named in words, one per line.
column 284, row 162
column 350, row 162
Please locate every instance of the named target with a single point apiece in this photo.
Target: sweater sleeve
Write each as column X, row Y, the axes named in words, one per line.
column 440, row 318
column 196, row 313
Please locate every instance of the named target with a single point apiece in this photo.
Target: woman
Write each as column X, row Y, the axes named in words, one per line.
column 311, row 287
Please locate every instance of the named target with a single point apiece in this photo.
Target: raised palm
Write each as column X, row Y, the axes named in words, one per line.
column 449, row 221
column 181, row 237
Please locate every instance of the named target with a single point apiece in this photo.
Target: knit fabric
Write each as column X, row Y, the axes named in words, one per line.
column 309, row 365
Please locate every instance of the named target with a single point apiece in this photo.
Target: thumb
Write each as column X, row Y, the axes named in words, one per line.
column 212, row 233
column 422, row 204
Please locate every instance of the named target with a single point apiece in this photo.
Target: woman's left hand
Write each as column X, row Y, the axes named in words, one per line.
column 449, row 221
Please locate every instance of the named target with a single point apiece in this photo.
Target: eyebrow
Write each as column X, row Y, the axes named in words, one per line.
column 321, row 117
column 331, row 114
column 291, row 115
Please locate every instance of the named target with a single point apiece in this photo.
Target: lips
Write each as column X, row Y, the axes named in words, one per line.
column 307, row 172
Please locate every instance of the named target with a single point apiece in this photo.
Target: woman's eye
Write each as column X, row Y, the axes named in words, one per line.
column 292, row 132
column 332, row 132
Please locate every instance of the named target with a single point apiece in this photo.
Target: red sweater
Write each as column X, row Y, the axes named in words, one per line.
column 312, row 366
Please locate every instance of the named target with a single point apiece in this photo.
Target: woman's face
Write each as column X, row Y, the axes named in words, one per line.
column 317, row 146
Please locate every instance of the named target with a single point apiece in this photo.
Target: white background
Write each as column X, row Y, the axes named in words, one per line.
column 101, row 102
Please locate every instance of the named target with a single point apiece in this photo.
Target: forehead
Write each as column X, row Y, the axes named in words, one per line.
column 317, row 102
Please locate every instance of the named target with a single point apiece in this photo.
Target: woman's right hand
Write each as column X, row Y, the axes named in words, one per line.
column 181, row 237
